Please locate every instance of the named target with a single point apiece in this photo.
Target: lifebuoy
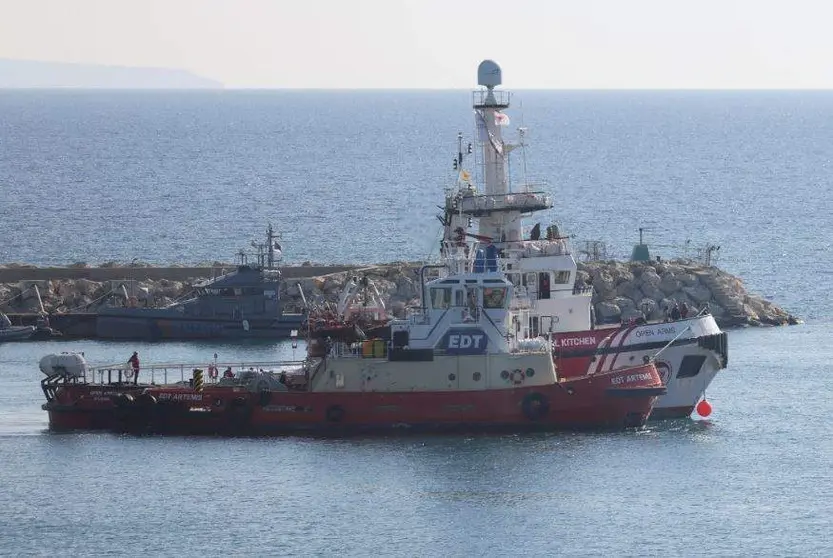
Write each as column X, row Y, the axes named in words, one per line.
column 517, row 376
column 334, row 413
column 128, row 373
column 212, row 371
column 535, row 406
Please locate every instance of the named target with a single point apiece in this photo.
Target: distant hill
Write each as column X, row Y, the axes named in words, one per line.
column 24, row 73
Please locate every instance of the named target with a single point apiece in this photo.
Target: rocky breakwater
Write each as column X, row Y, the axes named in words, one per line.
column 621, row 290
column 625, row 290
column 63, row 296
column 397, row 284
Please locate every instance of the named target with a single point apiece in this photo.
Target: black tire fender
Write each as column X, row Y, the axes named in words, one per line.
column 334, row 413
column 123, row 400
column 146, row 399
column 535, row 406
column 265, row 397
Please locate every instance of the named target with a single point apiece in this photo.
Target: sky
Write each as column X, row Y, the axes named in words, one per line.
column 437, row 44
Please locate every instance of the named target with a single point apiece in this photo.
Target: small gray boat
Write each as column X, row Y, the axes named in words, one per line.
column 9, row 332
column 242, row 304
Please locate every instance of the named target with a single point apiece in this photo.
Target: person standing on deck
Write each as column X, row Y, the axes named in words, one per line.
column 133, row 361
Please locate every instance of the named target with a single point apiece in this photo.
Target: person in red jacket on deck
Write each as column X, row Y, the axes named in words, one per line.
column 133, row 361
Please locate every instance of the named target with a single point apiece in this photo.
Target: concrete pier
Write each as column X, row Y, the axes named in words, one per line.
column 15, row 274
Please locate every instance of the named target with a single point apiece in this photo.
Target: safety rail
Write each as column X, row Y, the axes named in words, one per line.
column 537, row 248
column 166, row 373
column 490, row 98
column 369, row 348
column 515, row 201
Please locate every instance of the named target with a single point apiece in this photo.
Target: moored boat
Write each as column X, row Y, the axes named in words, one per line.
column 242, row 304
column 9, row 332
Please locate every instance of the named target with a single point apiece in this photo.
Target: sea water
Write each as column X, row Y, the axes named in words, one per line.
column 354, row 176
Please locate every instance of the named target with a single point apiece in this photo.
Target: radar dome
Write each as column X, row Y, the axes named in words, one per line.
column 488, row 74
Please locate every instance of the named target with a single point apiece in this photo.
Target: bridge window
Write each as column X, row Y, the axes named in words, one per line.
column 544, row 285
column 459, row 297
column 561, row 277
column 440, row 297
column 494, row 297
column 473, row 297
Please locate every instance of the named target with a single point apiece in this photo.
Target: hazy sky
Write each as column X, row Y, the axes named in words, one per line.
column 438, row 43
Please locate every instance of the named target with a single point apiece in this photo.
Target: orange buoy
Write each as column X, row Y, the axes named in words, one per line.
column 704, row 408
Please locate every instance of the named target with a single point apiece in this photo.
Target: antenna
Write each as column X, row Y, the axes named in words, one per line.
column 522, row 141
column 522, row 130
column 643, row 229
column 711, row 250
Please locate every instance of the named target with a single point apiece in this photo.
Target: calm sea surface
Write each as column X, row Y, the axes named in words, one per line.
column 355, row 176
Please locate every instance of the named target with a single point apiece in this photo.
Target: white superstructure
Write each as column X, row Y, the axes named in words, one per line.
column 541, row 265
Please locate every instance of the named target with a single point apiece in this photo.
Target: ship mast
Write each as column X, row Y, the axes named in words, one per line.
column 266, row 253
column 270, row 243
column 487, row 104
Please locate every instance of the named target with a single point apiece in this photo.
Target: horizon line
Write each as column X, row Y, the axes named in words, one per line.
column 408, row 89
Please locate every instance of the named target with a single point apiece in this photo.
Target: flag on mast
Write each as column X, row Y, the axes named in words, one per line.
column 501, row 119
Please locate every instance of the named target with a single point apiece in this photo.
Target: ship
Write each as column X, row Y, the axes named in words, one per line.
column 541, row 266
column 445, row 369
column 242, row 304
column 9, row 332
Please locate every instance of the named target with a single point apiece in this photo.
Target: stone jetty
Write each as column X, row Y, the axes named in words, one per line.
column 620, row 289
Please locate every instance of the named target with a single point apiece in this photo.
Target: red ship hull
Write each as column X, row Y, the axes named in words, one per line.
column 619, row 399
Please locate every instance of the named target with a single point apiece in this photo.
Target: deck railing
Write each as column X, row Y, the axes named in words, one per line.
column 166, row 373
